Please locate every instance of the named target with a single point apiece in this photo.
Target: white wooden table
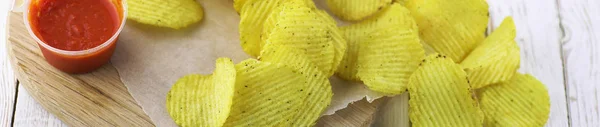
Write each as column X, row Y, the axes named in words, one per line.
column 560, row 42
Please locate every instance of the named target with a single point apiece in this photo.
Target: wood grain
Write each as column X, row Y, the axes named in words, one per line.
column 538, row 35
column 92, row 99
column 357, row 114
column 580, row 20
column 28, row 113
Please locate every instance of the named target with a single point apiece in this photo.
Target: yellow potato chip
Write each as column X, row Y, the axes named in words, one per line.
column 301, row 28
column 338, row 41
column 238, row 4
column 451, row 27
column 440, row 95
column 354, row 10
column 382, row 51
column 349, row 64
column 252, row 17
column 401, row 2
column 522, row 101
column 174, row 14
column 318, row 87
column 272, row 20
column 356, row 33
column 496, row 59
column 388, row 57
column 267, row 94
column 203, row 100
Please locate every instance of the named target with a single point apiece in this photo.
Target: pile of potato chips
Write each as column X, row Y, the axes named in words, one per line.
column 472, row 80
column 298, row 47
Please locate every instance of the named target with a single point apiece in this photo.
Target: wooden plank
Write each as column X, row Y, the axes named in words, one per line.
column 29, row 113
column 98, row 98
column 7, row 89
column 7, row 79
column 538, row 35
column 580, row 19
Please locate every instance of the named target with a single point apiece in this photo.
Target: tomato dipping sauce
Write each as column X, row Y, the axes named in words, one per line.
column 77, row 36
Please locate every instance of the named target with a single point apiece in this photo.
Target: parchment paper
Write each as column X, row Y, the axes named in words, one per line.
column 150, row 59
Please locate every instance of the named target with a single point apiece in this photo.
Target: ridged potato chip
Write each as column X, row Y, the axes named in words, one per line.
column 203, row 100
column 383, row 51
column 318, row 87
column 302, row 29
column 451, row 27
column 389, row 56
column 522, row 101
column 356, row 33
column 355, row 10
column 238, row 4
column 338, row 41
column 267, row 94
column 401, row 2
column 440, row 95
column 174, row 14
column 348, row 67
column 273, row 19
column 252, row 19
column 496, row 59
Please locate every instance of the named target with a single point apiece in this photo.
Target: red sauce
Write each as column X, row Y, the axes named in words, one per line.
column 76, row 25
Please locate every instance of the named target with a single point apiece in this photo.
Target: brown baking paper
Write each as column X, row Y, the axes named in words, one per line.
column 150, row 59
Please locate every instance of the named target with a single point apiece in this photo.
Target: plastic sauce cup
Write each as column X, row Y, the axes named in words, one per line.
column 81, row 61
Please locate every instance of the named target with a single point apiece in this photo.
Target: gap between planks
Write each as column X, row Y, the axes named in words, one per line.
column 29, row 113
column 581, row 44
column 14, row 109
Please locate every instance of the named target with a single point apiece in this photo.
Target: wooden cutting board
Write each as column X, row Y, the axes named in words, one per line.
column 99, row 98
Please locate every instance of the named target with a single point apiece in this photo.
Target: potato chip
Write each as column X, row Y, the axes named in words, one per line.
column 496, row 59
column 238, row 4
column 174, row 14
column 270, row 24
column 388, row 57
column 267, row 94
column 318, row 87
column 309, row 3
column 401, row 2
column 252, row 19
column 451, row 27
column 356, row 33
column 522, row 101
column 383, row 51
column 440, row 95
column 348, row 67
column 338, row 41
column 203, row 100
column 354, row 10
column 301, row 28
